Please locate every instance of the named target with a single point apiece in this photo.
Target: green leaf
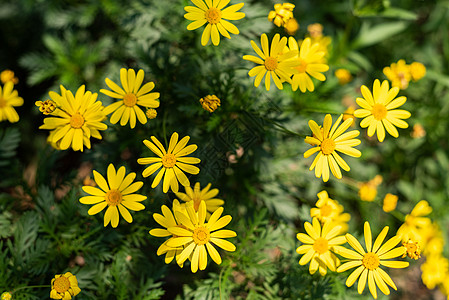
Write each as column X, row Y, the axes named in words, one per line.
column 9, row 141
column 371, row 35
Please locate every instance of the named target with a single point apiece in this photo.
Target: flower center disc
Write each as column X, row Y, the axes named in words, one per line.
column 130, row 99
column 379, row 111
column 271, row 63
column 213, row 15
column 326, row 210
column 77, row 121
column 201, row 235
column 320, row 245
column 302, row 66
column 370, row 261
column 113, row 197
column 169, row 160
column 327, row 146
column 61, row 284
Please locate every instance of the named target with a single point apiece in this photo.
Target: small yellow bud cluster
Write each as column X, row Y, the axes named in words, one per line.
column 210, row 103
column 46, row 107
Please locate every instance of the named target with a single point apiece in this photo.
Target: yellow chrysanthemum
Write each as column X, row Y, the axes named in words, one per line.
column 368, row 190
column 199, row 235
column 327, row 143
column 415, row 222
column 368, row 262
column 315, row 30
column 274, row 62
column 432, row 241
column 6, row 296
column 171, row 162
column 281, row 14
column 412, row 249
column 197, row 195
column 132, row 97
column 116, row 193
column 378, row 110
column 399, row 74
column 8, row 75
column 151, row 113
column 309, row 64
column 292, row 26
column 64, row 286
column 328, row 210
column 168, row 220
column 418, row 131
column 417, row 71
column 75, row 120
column 46, row 107
column 210, row 103
column 214, row 13
column 434, row 270
column 9, row 98
column 390, row 202
column 319, row 244
column 343, row 76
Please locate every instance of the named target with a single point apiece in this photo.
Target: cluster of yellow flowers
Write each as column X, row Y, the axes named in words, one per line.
column 194, row 224
column 400, row 74
column 420, row 234
column 322, row 243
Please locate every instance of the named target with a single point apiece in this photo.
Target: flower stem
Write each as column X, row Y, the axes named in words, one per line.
column 283, row 128
column 29, row 287
column 321, row 111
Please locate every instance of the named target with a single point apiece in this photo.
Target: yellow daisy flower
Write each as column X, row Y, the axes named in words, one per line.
column 167, row 220
column 281, row 14
column 6, row 296
column 9, row 98
column 213, row 13
column 116, row 193
column 434, row 270
column 328, row 142
column 132, row 97
column 412, row 250
column 390, row 202
column 274, row 62
column 46, row 107
column 368, row 262
column 415, row 222
column 171, row 162
column 197, row 195
column 343, row 76
column 328, row 210
column 319, row 244
column 199, row 236
column 75, row 120
column 399, row 74
column 64, row 286
column 292, row 26
column 417, row 70
column 210, row 103
column 8, row 75
column 378, row 110
column 309, row 64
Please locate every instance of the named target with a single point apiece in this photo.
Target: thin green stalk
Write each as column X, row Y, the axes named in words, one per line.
column 29, row 287
column 321, row 111
column 283, row 128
